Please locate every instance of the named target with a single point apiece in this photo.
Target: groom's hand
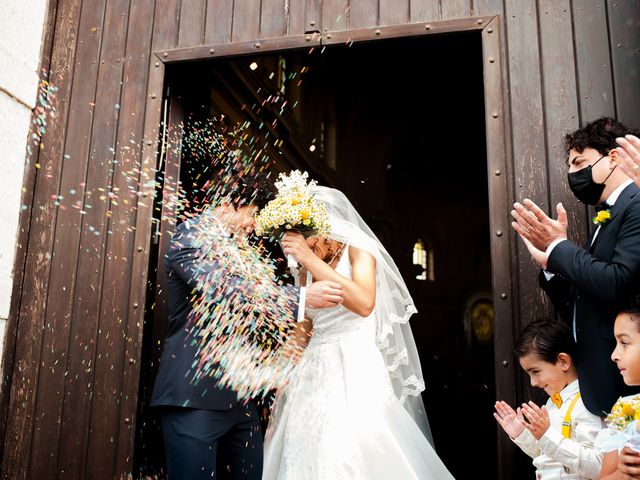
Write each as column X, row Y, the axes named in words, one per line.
column 324, row 294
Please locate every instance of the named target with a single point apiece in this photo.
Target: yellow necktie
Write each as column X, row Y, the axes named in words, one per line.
column 557, row 399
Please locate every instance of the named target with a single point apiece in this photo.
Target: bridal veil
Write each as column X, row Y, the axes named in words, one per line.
column 394, row 304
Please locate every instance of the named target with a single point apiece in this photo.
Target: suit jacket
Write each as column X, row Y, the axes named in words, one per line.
column 598, row 279
column 175, row 384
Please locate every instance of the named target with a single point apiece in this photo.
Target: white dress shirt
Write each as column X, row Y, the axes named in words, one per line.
column 557, row 457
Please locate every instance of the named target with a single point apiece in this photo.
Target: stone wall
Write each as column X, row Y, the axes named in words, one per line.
column 21, row 33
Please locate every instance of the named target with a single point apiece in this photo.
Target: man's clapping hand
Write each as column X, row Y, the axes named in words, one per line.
column 629, row 153
column 537, row 227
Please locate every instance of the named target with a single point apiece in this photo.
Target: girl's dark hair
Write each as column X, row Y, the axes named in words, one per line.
column 546, row 339
column 600, row 135
column 632, row 308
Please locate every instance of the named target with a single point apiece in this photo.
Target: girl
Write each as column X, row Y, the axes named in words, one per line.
column 560, row 435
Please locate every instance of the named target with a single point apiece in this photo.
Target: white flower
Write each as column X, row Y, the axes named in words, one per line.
column 294, row 207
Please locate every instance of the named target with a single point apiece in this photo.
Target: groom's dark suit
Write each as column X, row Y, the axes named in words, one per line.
column 596, row 280
column 206, row 431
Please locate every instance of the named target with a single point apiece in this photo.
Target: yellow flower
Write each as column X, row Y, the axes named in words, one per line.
column 623, row 413
column 628, row 410
column 294, row 205
column 602, row 217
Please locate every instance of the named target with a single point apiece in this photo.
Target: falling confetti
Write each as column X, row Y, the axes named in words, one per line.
column 45, row 109
column 243, row 331
column 243, row 317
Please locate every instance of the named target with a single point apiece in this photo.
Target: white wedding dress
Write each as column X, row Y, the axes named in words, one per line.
column 338, row 417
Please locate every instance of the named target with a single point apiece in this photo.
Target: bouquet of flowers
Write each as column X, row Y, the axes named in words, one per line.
column 622, row 426
column 294, row 209
column 623, row 413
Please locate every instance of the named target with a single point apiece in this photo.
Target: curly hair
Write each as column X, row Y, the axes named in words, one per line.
column 600, row 135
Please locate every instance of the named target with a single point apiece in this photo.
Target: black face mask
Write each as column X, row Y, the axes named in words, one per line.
column 583, row 186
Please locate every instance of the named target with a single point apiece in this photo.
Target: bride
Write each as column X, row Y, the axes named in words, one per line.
column 352, row 409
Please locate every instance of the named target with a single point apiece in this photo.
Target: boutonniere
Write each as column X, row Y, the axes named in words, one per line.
column 602, row 217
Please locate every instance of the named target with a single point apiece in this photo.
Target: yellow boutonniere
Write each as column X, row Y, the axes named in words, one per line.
column 602, row 217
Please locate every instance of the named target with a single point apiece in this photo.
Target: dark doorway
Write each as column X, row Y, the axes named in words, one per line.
column 399, row 127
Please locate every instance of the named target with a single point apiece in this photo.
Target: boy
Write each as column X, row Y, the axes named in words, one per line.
column 560, row 435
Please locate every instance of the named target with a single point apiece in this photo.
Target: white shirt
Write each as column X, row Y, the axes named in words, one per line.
column 302, row 308
column 556, row 457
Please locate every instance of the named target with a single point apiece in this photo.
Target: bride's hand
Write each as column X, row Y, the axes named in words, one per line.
column 294, row 244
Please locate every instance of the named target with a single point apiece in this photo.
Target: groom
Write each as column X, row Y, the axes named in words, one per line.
column 207, row 433
column 587, row 285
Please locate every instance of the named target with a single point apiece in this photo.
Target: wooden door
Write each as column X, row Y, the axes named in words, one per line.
column 497, row 170
column 148, row 449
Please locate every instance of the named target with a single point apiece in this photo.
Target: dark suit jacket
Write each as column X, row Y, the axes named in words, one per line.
column 175, row 384
column 598, row 279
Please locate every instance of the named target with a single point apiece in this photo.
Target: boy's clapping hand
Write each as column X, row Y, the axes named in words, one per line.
column 536, row 419
column 510, row 421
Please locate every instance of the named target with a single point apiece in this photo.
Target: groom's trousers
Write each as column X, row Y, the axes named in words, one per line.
column 213, row 444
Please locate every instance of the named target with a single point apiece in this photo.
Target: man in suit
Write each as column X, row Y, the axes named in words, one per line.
column 587, row 285
column 207, row 432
